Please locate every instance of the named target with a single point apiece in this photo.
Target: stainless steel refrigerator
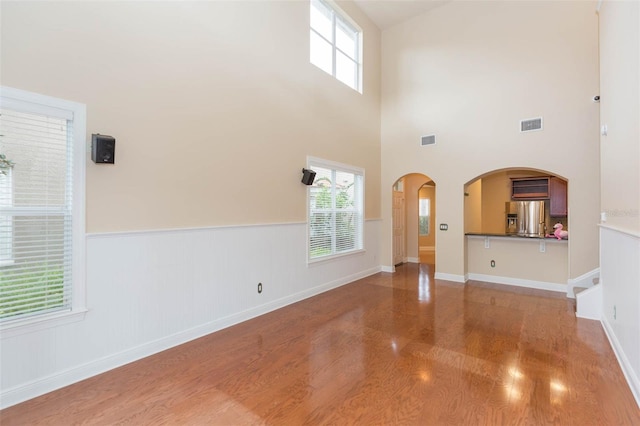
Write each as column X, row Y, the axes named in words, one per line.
column 525, row 218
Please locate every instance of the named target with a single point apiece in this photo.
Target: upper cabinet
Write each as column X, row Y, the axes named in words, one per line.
column 557, row 197
column 535, row 188
column 542, row 188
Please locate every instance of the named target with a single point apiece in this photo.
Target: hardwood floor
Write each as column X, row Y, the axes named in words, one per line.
column 388, row 349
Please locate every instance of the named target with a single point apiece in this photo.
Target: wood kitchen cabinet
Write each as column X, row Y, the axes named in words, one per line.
column 541, row 188
column 536, row 188
column 557, row 197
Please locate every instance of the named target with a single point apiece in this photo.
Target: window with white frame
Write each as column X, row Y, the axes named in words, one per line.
column 335, row 43
column 424, row 213
column 6, row 201
column 336, row 209
column 41, row 208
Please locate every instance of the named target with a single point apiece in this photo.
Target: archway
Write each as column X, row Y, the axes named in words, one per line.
column 414, row 207
column 533, row 260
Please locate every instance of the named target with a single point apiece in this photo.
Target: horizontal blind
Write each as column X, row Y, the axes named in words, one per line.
column 335, row 212
column 35, row 214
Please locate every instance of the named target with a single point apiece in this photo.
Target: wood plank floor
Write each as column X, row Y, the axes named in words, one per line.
column 389, row 349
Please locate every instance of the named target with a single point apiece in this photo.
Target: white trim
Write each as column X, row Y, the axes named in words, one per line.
column 635, row 234
column 324, row 259
column 41, row 322
column 413, row 260
column 518, row 282
column 627, row 369
column 119, row 234
column 58, row 380
column 585, row 280
column 450, row 277
column 598, row 6
column 385, row 268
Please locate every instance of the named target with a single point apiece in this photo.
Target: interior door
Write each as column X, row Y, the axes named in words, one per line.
column 398, row 227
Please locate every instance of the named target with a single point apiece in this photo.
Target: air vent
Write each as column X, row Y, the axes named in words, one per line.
column 428, row 140
column 531, row 124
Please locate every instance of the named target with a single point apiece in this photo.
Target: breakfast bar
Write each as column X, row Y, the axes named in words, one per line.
column 514, row 260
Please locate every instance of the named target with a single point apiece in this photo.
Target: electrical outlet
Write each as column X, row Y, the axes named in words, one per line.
column 259, row 287
column 444, row 227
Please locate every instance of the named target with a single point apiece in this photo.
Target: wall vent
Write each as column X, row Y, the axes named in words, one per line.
column 531, row 124
column 428, row 140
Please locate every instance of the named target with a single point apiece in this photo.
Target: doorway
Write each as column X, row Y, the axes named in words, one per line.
column 426, row 231
column 414, row 206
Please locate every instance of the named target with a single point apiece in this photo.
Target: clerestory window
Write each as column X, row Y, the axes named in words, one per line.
column 335, row 43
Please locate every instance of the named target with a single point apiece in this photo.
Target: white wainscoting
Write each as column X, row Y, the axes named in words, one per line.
column 149, row 291
column 620, row 280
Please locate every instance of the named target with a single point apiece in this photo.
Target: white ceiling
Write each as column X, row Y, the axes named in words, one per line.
column 386, row 13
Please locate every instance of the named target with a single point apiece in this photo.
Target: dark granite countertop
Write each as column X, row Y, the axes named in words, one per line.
column 487, row 234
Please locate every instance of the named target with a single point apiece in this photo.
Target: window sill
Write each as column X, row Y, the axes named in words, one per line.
column 29, row 325
column 6, row 262
column 323, row 259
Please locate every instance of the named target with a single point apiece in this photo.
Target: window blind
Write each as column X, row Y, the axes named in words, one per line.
column 335, row 212
column 35, row 214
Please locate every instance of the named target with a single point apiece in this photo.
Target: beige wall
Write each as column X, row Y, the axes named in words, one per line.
column 508, row 254
column 496, row 190
column 620, row 112
column 468, row 72
column 214, row 105
column 473, row 207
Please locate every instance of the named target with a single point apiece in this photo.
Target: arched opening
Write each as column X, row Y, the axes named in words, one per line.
column 414, row 207
column 509, row 218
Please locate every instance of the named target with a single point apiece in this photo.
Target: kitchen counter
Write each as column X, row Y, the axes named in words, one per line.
column 513, row 236
column 522, row 261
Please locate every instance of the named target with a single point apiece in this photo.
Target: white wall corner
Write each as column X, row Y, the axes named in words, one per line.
column 589, row 303
column 385, row 268
column 586, row 280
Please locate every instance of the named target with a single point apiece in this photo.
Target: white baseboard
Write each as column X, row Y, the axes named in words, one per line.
column 584, row 280
column 518, row 282
column 67, row 377
column 413, row 260
column 625, row 365
column 449, row 277
column 385, row 268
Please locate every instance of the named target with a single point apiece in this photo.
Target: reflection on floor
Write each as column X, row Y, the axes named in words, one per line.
column 428, row 257
column 390, row 349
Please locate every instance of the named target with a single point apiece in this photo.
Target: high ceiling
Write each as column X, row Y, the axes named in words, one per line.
column 386, row 13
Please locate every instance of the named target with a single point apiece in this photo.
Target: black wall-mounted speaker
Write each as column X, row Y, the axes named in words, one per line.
column 103, row 149
column 308, row 176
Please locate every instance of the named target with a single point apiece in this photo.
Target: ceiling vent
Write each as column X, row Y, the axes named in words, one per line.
column 531, row 124
column 428, row 140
